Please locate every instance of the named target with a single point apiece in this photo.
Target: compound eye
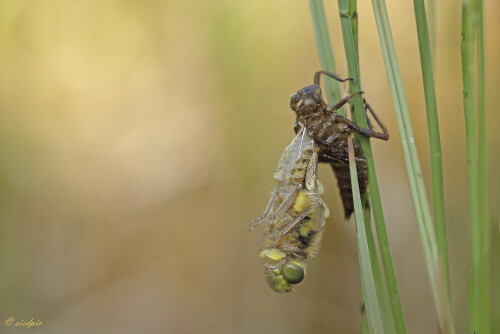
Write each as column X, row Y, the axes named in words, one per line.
column 295, row 102
column 309, row 104
column 299, row 104
column 293, row 272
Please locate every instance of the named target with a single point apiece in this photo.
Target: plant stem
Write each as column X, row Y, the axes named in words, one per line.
column 352, row 63
column 415, row 177
column 325, row 50
column 353, row 16
column 470, row 23
column 373, row 315
column 431, row 18
column 383, row 299
column 470, row 127
column 434, row 140
column 333, row 94
column 364, row 320
column 483, row 176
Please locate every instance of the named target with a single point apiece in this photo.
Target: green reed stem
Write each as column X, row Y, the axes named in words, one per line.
column 352, row 63
column 383, row 298
column 472, row 23
column 326, row 58
column 372, row 310
column 472, row 157
column 434, row 141
column 353, row 16
column 431, row 19
column 485, row 322
column 364, row 320
column 380, row 284
column 415, row 177
column 367, row 221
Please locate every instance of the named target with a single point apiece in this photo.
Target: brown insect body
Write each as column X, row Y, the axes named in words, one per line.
column 338, row 159
column 329, row 130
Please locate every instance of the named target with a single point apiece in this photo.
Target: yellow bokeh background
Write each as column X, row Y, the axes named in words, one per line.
column 138, row 139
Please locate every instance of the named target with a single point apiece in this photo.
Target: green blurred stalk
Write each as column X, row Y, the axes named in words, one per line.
column 366, row 207
column 431, row 18
column 472, row 23
column 467, row 49
column 392, row 287
column 373, row 315
column 368, row 285
column 415, row 177
column 353, row 16
column 326, row 58
column 485, row 324
column 424, row 46
column 369, row 234
column 383, row 299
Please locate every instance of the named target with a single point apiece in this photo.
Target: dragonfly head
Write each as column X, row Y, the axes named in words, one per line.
column 282, row 276
column 306, row 101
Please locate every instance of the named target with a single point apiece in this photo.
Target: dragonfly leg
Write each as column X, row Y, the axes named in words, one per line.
column 283, row 207
column 287, row 202
column 329, row 74
column 259, row 220
column 289, row 227
column 294, row 251
column 384, row 135
column 344, row 100
column 256, row 222
column 365, row 132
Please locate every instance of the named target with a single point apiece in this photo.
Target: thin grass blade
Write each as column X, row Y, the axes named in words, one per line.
column 325, row 52
column 373, row 315
column 470, row 23
column 432, row 24
column 424, row 45
column 390, row 276
column 485, row 321
column 415, row 177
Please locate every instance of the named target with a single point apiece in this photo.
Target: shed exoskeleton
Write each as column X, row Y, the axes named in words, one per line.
column 329, row 130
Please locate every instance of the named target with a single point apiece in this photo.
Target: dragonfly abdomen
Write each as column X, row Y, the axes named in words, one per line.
column 339, row 161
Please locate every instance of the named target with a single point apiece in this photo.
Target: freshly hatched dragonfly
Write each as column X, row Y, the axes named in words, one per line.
column 295, row 215
column 330, row 130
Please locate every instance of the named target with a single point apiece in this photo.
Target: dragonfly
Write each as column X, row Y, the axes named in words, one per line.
column 329, row 130
column 294, row 218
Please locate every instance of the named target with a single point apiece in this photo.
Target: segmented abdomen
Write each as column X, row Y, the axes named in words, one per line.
column 337, row 156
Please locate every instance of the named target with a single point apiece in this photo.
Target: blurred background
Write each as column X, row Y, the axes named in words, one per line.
column 138, row 139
